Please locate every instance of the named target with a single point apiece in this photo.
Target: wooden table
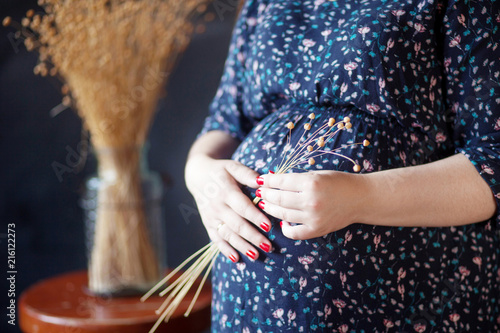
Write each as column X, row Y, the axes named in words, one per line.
column 62, row 305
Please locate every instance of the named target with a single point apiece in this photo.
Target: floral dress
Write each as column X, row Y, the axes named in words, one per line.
column 420, row 80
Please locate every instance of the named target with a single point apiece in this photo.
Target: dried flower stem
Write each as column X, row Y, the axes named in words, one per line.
column 180, row 287
column 303, row 152
column 308, row 148
column 174, row 272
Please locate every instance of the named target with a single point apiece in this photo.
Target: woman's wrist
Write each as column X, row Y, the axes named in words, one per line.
column 364, row 195
column 214, row 144
column 373, row 200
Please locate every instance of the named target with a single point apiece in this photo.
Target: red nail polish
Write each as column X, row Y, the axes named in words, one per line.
column 257, row 193
column 232, row 257
column 262, row 204
column 265, row 226
column 260, row 181
column 271, row 172
column 252, row 255
column 265, row 247
column 281, row 224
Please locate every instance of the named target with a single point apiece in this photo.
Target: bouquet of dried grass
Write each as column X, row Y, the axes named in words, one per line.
column 113, row 56
column 308, row 148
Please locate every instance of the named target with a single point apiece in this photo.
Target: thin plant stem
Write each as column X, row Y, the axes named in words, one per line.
column 172, row 274
column 180, row 292
column 188, row 272
column 181, row 286
column 198, row 291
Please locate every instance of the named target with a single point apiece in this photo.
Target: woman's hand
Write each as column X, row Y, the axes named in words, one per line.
column 444, row 193
column 225, row 210
column 312, row 204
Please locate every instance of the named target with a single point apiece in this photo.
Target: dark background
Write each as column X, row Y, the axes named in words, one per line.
column 43, row 206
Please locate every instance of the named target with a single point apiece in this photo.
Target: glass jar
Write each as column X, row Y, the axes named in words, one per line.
column 125, row 236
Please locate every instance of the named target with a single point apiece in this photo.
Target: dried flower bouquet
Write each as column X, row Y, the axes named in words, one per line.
column 113, row 57
column 309, row 147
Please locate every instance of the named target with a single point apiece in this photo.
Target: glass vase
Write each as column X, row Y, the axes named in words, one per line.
column 123, row 223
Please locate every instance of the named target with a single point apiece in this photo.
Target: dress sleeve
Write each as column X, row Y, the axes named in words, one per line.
column 226, row 109
column 472, row 63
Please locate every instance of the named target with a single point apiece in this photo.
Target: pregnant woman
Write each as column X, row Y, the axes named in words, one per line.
column 408, row 244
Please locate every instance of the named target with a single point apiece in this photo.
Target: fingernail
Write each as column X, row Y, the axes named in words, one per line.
column 252, row 255
column 262, row 204
column 257, row 193
column 265, row 247
column 265, row 226
column 232, row 257
column 260, row 181
column 271, row 172
column 281, row 224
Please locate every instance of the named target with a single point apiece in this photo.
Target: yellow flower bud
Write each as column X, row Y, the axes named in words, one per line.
column 307, row 126
column 356, row 168
column 312, row 116
column 348, row 125
column 311, row 161
column 310, row 148
column 331, row 122
column 290, row 125
column 347, row 119
column 341, row 125
column 65, row 89
column 7, row 21
column 25, row 22
column 366, row 143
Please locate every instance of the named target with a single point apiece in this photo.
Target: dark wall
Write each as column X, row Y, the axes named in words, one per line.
column 41, row 202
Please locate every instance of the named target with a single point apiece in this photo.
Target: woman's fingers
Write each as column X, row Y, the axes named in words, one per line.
column 293, row 182
column 242, row 174
column 241, row 235
column 237, row 242
column 245, row 208
column 285, row 199
column 313, row 203
column 231, row 231
column 297, row 232
column 224, row 247
column 284, row 214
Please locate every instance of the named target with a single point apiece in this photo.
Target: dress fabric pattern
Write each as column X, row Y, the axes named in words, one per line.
column 420, row 80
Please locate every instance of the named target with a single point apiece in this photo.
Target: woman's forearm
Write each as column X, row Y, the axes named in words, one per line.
column 214, row 144
column 448, row 192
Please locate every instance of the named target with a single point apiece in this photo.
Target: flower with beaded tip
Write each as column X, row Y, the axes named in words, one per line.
column 311, row 146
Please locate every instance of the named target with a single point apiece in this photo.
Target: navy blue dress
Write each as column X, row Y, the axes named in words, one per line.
column 420, row 80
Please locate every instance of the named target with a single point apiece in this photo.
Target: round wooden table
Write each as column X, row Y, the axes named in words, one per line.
column 62, row 305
